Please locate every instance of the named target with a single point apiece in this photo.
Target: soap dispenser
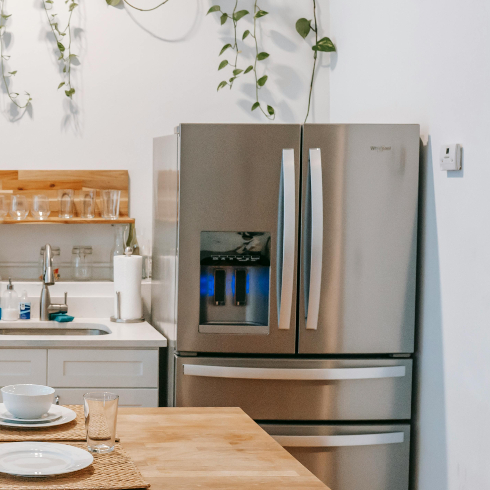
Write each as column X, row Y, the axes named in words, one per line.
column 10, row 303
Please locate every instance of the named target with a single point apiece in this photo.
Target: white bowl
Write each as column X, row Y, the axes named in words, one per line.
column 27, row 401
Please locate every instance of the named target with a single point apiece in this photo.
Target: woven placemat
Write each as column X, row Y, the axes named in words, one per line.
column 72, row 431
column 114, row 471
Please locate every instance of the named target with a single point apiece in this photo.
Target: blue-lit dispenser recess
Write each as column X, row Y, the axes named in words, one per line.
column 235, row 280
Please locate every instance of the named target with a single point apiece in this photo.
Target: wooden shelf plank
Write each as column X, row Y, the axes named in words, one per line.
column 70, row 221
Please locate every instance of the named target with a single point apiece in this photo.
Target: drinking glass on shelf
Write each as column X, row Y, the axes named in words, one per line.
column 110, row 203
column 19, row 208
column 100, row 409
column 65, row 203
column 4, row 208
column 87, row 203
column 40, row 207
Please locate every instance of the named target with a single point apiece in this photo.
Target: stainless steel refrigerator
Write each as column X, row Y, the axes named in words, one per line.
column 284, row 277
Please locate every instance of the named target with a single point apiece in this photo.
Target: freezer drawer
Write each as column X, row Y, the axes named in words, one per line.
column 296, row 389
column 350, row 457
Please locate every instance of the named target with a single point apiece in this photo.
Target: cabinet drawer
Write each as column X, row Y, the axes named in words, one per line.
column 139, row 397
column 22, row 366
column 70, row 368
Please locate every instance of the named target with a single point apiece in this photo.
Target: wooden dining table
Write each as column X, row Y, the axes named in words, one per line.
column 208, row 448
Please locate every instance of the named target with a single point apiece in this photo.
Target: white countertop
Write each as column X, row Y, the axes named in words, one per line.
column 123, row 335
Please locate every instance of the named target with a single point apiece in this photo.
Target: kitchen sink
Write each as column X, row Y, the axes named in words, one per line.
column 53, row 328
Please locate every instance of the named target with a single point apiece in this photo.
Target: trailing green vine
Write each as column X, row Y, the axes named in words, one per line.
column 235, row 17
column 3, row 58
column 303, row 26
column 65, row 57
column 114, row 3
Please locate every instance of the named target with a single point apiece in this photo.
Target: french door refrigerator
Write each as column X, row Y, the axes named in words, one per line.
column 284, row 277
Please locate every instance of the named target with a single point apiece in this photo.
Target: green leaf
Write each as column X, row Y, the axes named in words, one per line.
column 61, row 47
column 260, row 14
column 246, row 34
column 325, row 45
column 222, row 85
column 70, row 92
column 262, row 56
column 248, row 69
column 224, row 48
column 257, row 104
column 223, row 64
column 237, row 72
column 214, row 8
column 224, row 18
column 231, row 80
column 113, row 3
column 60, row 57
column 270, row 110
column 261, row 81
column 5, row 16
column 238, row 15
column 72, row 6
column 61, row 85
column 303, row 26
column 64, row 69
column 72, row 56
column 13, row 72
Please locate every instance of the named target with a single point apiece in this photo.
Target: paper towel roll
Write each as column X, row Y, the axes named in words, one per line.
column 127, row 280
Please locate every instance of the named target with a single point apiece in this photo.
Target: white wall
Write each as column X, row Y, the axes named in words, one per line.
column 140, row 75
column 428, row 62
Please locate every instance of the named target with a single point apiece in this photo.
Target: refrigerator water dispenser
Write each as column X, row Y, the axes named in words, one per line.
column 235, row 282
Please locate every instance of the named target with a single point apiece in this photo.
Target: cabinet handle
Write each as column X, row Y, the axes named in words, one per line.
column 341, row 440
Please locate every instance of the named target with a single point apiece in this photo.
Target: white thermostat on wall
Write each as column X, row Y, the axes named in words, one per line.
column 451, row 156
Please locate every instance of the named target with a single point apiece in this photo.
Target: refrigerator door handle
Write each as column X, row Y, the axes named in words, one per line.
column 292, row 374
column 341, row 440
column 314, row 288
column 287, row 243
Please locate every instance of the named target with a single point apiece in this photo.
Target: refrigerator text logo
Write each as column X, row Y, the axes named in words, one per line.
column 379, row 149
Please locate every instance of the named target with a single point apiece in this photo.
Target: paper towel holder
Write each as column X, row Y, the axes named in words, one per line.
column 118, row 319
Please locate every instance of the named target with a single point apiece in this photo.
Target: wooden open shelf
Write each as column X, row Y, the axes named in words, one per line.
column 48, row 182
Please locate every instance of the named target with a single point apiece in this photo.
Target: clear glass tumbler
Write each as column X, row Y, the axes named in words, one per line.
column 65, row 197
column 100, row 420
column 87, row 202
column 40, row 207
column 4, row 208
column 19, row 208
column 110, row 207
column 82, row 263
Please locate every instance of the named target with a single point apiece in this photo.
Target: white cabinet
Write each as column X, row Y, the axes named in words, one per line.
column 73, row 368
column 19, row 366
column 137, row 397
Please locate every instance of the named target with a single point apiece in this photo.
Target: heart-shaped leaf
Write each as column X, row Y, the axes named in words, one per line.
column 325, row 45
column 61, row 47
column 260, row 14
column 237, row 72
column 270, row 110
column 72, row 6
column 113, row 3
column 248, row 69
column 61, row 85
column 262, row 56
column 214, row 8
column 224, row 18
column 221, row 85
column 223, row 64
column 245, row 34
column 261, row 81
column 224, row 48
column 238, row 15
column 257, row 104
column 303, row 26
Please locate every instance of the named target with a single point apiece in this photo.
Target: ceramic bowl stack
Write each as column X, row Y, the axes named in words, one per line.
column 32, row 406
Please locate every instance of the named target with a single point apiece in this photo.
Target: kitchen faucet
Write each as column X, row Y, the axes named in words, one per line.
column 46, row 308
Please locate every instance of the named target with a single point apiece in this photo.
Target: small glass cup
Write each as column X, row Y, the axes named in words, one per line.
column 82, row 263
column 4, row 208
column 111, row 199
column 19, row 208
column 87, row 203
column 65, row 197
column 100, row 409
column 40, row 207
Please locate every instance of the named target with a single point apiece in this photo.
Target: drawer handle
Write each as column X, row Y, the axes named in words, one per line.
column 340, row 440
column 332, row 374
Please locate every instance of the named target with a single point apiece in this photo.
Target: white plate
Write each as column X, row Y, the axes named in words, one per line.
column 67, row 415
column 42, row 458
column 53, row 414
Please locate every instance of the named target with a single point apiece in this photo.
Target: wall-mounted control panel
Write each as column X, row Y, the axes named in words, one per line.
column 451, row 157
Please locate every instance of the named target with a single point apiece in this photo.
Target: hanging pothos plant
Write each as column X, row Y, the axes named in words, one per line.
column 325, row 45
column 8, row 75
column 237, row 72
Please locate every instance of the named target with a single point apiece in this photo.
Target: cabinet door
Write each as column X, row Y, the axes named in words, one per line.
column 70, row 368
column 139, row 397
column 22, row 366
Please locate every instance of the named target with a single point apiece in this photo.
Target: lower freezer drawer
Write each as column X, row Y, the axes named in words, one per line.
column 298, row 389
column 350, row 457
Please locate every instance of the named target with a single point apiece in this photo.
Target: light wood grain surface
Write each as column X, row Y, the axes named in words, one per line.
column 208, row 448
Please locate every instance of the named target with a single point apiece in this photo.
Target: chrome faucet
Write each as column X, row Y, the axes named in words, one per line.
column 46, row 308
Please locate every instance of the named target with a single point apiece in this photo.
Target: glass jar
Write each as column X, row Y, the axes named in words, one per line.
column 81, row 259
column 56, row 263
column 119, row 245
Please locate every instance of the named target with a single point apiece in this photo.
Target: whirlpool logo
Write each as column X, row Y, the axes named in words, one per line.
column 379, row 149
